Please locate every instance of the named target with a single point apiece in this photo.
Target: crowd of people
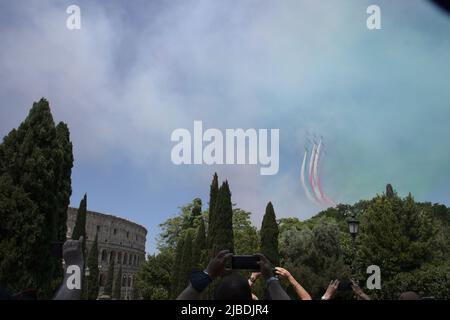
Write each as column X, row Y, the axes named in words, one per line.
column 234, row 286
column 229, row 284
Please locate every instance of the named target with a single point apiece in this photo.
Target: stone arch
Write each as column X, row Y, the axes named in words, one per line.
column 101, row 280
column 104, row 254
column 112, row 256
column 130, row 260
column 125, row 258
column 124, row 280
column 119, row 257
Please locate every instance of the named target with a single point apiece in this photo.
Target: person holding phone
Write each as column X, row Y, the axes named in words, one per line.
column 232, row 286
column 301, row 292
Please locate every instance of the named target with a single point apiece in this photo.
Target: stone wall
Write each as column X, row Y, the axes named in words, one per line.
column 118, row 239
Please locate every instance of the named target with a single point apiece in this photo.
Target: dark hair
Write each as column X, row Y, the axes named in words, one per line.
column 233, row 287
column 409, row 295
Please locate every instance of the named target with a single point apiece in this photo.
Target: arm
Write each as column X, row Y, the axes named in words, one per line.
column 216, row 267
column 189, row 294
column 360, row 295
column 70, row 288
column 301, row 292
column 253, row 278
column 273, row 284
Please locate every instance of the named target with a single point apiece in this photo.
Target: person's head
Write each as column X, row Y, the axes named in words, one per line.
column 233, row 287
column 409, row 295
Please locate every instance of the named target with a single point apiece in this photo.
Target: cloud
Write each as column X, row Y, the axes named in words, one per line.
column 135, row 73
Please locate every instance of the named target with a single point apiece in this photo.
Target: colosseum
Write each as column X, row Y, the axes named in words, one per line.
column 118, row 239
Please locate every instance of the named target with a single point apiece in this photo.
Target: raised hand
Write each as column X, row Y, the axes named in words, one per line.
column 266, row 266
column 358, row 291
column 283, row 272
column 217, row 266
column 70, row 288
column 331, row 290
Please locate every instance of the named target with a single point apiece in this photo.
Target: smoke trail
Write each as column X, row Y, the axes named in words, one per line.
column 317, row 178
column 311, row 167
column 314, row 179
column 302, row 177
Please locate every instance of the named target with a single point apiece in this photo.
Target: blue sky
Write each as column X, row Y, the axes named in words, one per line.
column 137, row 70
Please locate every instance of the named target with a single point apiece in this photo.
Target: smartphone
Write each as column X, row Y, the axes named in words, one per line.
column 57, row 249
column 245, row 263
column 345, row 286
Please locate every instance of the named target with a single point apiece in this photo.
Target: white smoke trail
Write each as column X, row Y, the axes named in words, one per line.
column 316, row 179
column 302, row 178
column 311, row 167
column 317, row 192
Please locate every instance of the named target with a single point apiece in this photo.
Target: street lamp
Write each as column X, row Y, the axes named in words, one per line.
column 86, row 275
column 353, row 226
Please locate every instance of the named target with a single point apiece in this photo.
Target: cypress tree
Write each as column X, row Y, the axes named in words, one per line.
column 186, row 263
column 118, row 285
column 65, row 156
column 80, row 223
column 20, row 235
column 269, row 236
column 222, row 238
column 92, row 263
column 390, row 193
column 109, row 279
column 199, row 248
column 176, row 270
column 213, row 193
column 35, row 160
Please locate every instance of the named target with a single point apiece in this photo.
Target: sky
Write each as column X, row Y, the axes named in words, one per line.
column 138, row 70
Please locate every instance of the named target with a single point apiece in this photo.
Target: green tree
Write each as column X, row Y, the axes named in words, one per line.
column 117, row 293
column 79, row 230
column 93, row 278
column 187, row 261
column 176, row 270
column 109, row 279
column 35, row 161
column 65, row 160
column 314, row 256
column 398, row 235
column 20, row 234
column 269, row 235
column 199, row 250
column 246, row 239
column 213, row 194
column 175, row 228
column 153, row 280
column 221, row 235
column 196, row 214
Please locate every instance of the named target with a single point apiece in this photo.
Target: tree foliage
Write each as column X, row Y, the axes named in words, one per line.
column 221, row 232
column 313, row 255
column 35, row 169
column 246, row 238
column 269, row 235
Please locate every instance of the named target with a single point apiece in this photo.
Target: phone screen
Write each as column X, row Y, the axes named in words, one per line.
column 345, row 286
column 245, row 262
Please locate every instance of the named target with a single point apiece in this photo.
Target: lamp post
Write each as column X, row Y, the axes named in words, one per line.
column 353, row 228
column 86, row 275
